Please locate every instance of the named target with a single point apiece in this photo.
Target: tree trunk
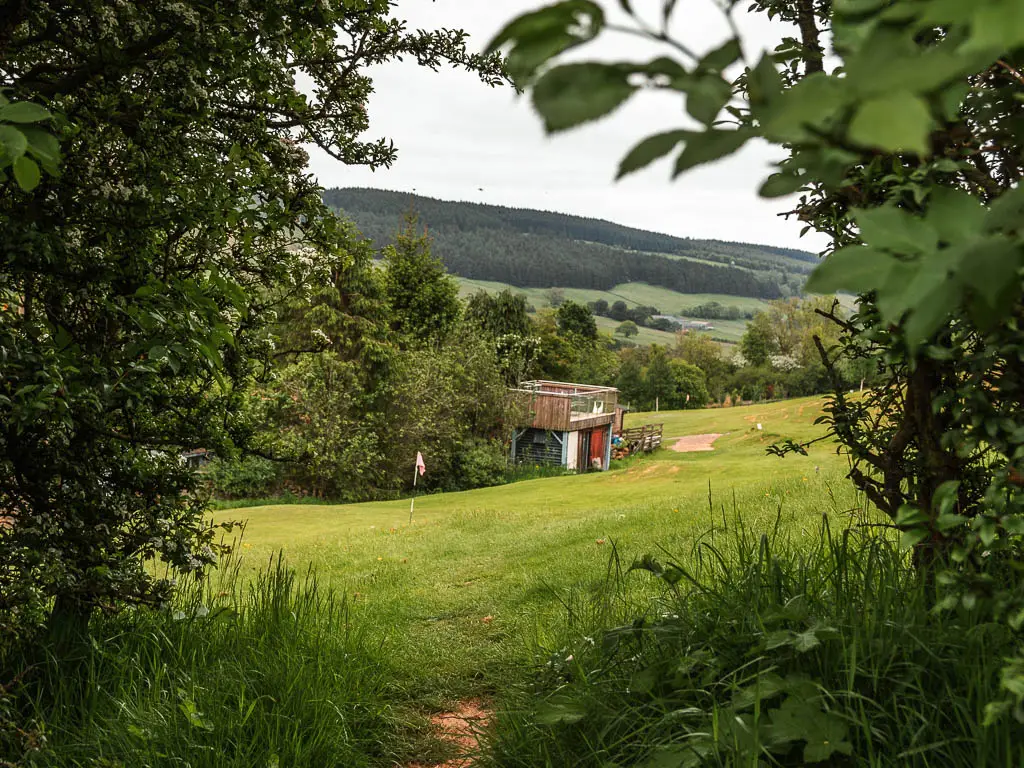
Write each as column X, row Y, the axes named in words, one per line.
column 67, row 628
column 810, row 36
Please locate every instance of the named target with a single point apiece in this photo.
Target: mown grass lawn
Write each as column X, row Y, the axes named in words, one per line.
column 461, row 597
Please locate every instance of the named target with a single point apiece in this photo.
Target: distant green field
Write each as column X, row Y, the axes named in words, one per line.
column 645, row 338
column 669, row 302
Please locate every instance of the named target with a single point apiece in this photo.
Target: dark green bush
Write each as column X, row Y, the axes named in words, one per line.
column 480, row 463
column 244, row 478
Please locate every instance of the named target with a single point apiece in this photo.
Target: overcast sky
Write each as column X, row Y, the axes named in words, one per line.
column 460, row 140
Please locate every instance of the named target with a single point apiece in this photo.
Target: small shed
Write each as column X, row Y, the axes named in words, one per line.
column 564, row 424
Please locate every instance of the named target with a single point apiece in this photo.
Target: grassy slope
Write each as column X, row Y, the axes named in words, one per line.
column 634, row 294
column 645, row 337
column 504, row 552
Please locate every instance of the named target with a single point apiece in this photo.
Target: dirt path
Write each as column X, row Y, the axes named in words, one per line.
column 692, row 443
column 461, row 728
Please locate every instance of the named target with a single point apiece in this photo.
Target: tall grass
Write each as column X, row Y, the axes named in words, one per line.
column 268, row 673
column 763, row 651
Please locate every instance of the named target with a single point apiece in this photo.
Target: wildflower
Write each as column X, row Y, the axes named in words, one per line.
column 380, row 558
column 804, row 479
column 676, row 509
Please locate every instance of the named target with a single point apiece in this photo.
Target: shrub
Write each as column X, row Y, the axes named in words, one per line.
column 479, row 464
column 244, row 478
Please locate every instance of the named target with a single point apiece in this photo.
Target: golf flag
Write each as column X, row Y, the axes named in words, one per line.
column 420, row 466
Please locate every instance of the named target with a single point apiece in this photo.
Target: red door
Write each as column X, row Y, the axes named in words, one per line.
column 597, row 445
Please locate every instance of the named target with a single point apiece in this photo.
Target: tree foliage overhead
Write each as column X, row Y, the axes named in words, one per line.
column 138, row 284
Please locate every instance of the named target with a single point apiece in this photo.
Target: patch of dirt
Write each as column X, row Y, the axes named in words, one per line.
column 694, row 443
column 461, row 728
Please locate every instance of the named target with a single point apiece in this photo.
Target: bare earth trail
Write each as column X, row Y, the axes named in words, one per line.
column 694, row 443
column 460, row 728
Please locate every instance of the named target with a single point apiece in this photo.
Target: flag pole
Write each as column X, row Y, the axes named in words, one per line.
column 412, row 501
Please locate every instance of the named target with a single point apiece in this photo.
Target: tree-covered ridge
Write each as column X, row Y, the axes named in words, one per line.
column 531, row 248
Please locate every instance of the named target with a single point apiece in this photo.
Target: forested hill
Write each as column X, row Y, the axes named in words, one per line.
column 538, row 249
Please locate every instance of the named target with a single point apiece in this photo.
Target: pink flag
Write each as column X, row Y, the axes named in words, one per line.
column 419, row 463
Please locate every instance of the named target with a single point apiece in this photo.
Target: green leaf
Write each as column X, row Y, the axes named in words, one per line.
column 911, row 538
column 649, row 150
column 559, row 711
column 855, row 268
column 693, row 754
column 42, row 144
column 778, row 639
column 806, row 641
column 781, row 184
column 13, row 141
column 991, row 268
column 709, row 146
column 996, row 711
column 764, row 84
column 996, row 26
column 947, row 522
column 899, row 121
column 828, row 744
column 809, row 103
column 706, row 96
column 767, row 686
column 909, row 515
column 26, row 173
column 1007, row 211
column 925, row 288
column 721, row 57
column 895, row 230
column 572, row 94
column 24, row 112
column 955, row 215
column 540, row 35
column 930, row 313
column 945, row 497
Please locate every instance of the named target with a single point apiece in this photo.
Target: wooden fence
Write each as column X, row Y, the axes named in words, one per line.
column 643, row 439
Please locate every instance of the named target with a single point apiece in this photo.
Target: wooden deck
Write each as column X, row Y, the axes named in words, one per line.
column 643, row 439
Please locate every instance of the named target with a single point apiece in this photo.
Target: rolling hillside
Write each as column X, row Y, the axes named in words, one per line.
column 634, row 294
column 537, row 249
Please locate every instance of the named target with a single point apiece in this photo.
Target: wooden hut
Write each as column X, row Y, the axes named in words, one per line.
column 564, row 424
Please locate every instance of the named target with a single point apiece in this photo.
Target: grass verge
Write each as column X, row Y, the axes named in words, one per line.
column 269, row 673
column 762, row 649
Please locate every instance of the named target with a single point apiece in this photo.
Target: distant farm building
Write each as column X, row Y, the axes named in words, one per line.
column 563, row 424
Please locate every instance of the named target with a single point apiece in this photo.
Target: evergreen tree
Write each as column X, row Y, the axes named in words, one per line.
column 630, row 381
column 423, row 298
column 659, row 379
